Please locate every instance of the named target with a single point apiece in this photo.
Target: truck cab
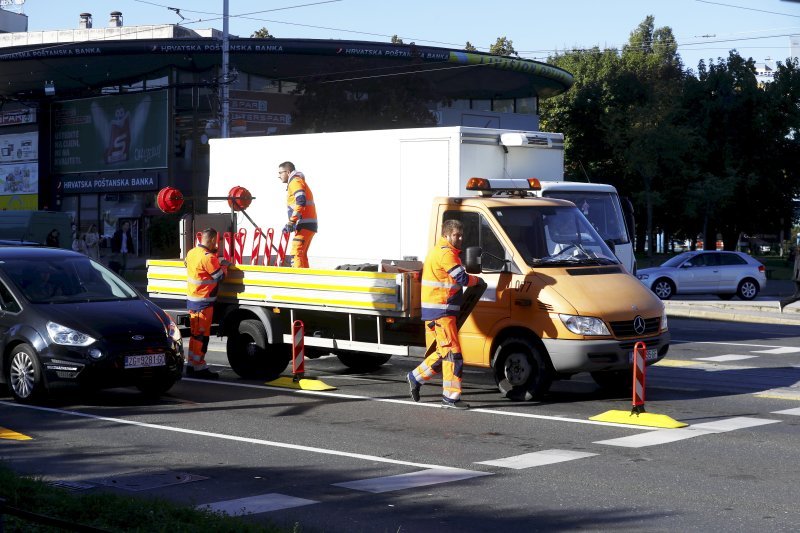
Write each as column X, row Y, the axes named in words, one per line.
column 558, row 300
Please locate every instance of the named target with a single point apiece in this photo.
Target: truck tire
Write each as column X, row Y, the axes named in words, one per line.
column 251, row 357
column 362, row 362
column 521, row 370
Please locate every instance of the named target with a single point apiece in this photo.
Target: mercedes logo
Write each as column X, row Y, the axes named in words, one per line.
column 638, row 325
column 141, row 337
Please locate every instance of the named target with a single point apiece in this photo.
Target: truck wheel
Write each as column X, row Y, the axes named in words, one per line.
column 362, row 362
column 251, row 357
column 521, row 371
column 24, row 375
column 616, row 381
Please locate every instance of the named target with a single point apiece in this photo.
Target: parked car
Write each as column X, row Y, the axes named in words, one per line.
column 68, row 320
column 726, row 274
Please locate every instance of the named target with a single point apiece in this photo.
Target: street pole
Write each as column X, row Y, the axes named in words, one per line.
column 225, row 96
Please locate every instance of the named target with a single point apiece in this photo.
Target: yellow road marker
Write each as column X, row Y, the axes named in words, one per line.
column 301, row 384
column 639, row 419
column 12, row 435
column 676, row 363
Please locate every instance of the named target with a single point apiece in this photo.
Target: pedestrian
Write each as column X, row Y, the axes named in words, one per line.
column 302, row 213
column 796, row 278
column 92, row 239
column 121, row 246
column 204, row 273
column 443, row 277
column 79, row 244
column 52, row 239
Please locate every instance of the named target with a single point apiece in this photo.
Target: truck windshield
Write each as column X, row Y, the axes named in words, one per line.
column 553, row 236
column 601, row 208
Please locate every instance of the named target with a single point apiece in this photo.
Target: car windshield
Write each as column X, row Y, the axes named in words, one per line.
column 676, row 261
column 553, row 236
column 602, row 209
column 65, row 280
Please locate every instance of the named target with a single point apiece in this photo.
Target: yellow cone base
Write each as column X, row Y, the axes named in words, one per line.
column 12, row 435
column 301, row 384
column 641, row 419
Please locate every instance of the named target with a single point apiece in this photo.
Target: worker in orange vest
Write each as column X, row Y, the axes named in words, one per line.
column 443, row 277
column 204, row 273
column 302, row 213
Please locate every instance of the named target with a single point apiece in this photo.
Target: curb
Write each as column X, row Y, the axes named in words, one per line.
column 763, row 312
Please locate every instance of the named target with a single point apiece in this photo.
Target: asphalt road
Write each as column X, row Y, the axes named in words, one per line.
column 364, row 457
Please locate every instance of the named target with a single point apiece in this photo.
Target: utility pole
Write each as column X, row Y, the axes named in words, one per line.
column 224, row 88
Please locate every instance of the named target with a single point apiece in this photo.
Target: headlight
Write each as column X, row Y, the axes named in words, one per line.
column 584, row 325
column 67, row 336
column 642, row 276
column 664, row 325
column 173, row 332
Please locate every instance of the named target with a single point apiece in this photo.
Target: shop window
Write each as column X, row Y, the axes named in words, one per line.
column 503, row 105
column 527, row 106
column 481, row 105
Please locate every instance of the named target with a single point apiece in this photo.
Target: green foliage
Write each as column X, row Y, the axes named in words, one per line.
column 469, row 47
column 109, row 512
column 262, row 33
column 396, row 39
column 503, row 47
column 695, row 153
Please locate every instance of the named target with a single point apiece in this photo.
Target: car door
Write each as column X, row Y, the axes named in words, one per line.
column 732, row 269
column 700, row 274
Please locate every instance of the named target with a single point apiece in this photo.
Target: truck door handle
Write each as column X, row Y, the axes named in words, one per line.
column 522, row 302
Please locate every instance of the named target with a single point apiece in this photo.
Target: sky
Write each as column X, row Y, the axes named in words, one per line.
column 704, row 29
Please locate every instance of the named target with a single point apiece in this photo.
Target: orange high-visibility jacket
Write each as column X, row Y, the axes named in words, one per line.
column 442, row 278
column 204, row 274
column 300, row 203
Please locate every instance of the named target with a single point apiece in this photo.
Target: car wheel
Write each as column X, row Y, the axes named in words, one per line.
column 664, row 288
column 251, row 357
column 748, row 289
column 361, row 362
column 155, row 387
column 24, row 375
column 725, row 296
column 615, row 381
column 521, row 370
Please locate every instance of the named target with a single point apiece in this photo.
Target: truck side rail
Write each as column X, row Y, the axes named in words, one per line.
column 381, row 293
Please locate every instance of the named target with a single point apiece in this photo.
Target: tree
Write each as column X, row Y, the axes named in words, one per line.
column 262, row 33
column 396, row 39
column 503, row 47
column 469, row 47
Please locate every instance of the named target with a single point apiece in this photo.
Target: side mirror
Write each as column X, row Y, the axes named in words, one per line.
column 472, row 262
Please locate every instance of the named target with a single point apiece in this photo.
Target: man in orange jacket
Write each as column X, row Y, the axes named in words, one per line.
column 204, row 273
column 302, row 213
column 443, row 276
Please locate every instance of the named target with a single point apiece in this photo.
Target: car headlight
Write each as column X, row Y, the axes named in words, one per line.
column 642, row 276
column 664, row 324
column 67, row 336
column 173, row 332
column 584, row 325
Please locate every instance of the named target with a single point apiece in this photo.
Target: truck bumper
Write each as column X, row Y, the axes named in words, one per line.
column 572, row 356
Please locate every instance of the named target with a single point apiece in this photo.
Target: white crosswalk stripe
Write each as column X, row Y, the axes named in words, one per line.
column 794, row 412
column 779, row 350
column 544, row 457
column 421, row 478
column 665, row 436
column 726, row 357
column 263, row 503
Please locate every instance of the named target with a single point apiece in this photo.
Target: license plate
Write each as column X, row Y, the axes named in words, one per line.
column 142, row 361
column 652, row 353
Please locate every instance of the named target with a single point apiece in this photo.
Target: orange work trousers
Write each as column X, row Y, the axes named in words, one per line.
column 200, row 323
column 446, row 359
column 299, row 249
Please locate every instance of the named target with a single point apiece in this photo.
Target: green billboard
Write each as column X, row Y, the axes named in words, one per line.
column 121, row 132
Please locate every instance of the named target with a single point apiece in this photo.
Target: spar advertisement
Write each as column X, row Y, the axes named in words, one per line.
column 109, row 133
column 19, row 170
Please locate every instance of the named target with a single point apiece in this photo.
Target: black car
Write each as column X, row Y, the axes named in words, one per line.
column 67, row 320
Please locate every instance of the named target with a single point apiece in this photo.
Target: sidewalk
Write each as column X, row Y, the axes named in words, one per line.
column 764, row 309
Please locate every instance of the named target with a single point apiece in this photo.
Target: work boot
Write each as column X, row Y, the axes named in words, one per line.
column 458, row 404
column 413, row 386
column 201, row 374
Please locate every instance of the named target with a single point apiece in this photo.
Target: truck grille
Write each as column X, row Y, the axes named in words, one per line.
column 625, row 328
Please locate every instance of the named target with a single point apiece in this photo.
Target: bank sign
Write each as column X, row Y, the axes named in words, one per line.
column 110, row 133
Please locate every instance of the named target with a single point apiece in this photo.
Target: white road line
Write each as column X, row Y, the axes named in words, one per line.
column 436, row 405
column 794, row 412
column 780, row 350
column 726, row 357
column 729, row 343
column 262, row 442
column 664, row 436
column 544, row 457
column 412, row 480
column 262, row 503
